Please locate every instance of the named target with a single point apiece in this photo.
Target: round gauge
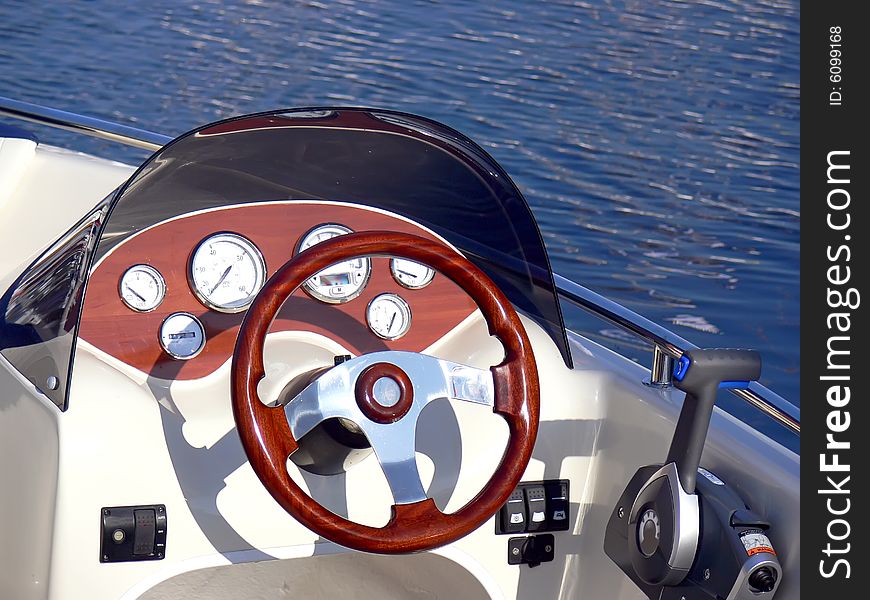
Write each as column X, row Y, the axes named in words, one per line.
column 226, row 272
column 411, row 274
column 341, row 282
column 182, row 335
column 389, row 316
column 142, row 288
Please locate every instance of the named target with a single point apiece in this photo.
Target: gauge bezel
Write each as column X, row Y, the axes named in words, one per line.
column 403, row 302
column 172, row 354
column 406, row 285
column 157, row 275
column 260, row 265
column 308, row 289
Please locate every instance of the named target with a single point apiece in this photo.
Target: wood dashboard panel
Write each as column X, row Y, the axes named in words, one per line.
column 276, row 229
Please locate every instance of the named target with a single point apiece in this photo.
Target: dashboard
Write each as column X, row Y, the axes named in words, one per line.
column 169, row 300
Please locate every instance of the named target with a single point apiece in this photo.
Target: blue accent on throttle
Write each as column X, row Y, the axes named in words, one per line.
column 681, row 367
column 733, row 385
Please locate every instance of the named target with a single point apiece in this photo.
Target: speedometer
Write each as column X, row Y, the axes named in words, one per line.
column 226, row 272
column 340, row 282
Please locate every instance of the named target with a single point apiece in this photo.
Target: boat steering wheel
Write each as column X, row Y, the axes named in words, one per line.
column 383, row 393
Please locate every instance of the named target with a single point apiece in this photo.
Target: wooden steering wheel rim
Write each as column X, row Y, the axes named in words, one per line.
column 266, row 436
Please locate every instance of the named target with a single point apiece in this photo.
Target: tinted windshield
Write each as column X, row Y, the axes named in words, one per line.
column 401, row 163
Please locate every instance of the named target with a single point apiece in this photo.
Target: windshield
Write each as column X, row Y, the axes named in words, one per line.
column 404, row 164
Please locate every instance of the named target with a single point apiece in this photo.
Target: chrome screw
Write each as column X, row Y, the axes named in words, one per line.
column 548, row 548
column 621, row 512
column 515, row 551
column 706, row 574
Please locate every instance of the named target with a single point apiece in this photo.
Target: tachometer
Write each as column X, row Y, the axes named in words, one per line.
column 341, row 282
column 226, row 272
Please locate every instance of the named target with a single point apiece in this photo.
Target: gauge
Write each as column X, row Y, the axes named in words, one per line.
column 341, row 282
column 142, row 288
column 226, row 272
column 389, row 316
column 182, row 335
column 411, row 274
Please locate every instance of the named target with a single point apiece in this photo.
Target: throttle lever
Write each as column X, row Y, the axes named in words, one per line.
column 700, row 373
column 670, row 524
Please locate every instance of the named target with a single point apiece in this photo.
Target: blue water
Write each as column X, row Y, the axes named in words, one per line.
column 657, row 141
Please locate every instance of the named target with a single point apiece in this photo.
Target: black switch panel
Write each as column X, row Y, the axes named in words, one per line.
column 129, row 533
column 536, row 506
column 513, row 513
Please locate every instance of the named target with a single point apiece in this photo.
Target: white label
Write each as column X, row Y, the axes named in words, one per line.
column 537, row 517
column 558, row 515
column 517, row 518
column 713, row 479
column 755, row 542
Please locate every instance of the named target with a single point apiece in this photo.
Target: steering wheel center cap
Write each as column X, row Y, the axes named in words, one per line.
column 384, row 393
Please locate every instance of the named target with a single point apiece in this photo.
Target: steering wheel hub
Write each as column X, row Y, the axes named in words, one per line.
column 377, row 385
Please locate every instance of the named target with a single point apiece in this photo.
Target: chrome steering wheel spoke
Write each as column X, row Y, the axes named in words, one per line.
column 391, row 433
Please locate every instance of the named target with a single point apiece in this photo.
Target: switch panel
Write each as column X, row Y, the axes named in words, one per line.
column 536, row 506
column 129, row 533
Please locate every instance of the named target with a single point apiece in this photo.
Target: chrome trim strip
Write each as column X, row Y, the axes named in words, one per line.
column 769, row 402
column 61, row 119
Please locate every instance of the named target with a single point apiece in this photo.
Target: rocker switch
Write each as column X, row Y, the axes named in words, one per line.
column 513, row 513
column 536, row 506
column 144, row 531
column 557, row 504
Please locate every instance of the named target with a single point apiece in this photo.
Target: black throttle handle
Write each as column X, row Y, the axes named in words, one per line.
column 700, row 373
